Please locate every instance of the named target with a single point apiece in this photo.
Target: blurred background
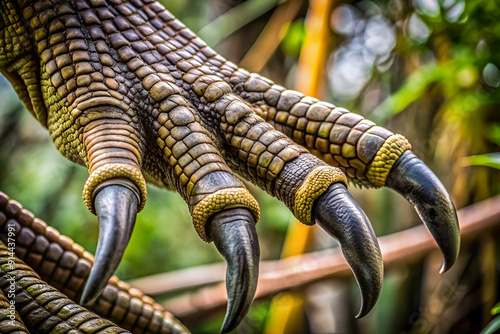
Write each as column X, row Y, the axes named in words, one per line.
column 428, row 69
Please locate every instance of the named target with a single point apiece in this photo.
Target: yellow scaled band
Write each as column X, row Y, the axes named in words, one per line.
column 386, row 156
column 313, row 186
column 112, row 171
column 221, row 200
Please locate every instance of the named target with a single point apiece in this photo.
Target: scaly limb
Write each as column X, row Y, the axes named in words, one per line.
column 65, row 266
column 10, row 321
column 43, row 309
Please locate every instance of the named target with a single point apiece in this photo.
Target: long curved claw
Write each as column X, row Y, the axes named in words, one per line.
column 116, row 207
column 234, row 235
column 417, row 183
column 339, row 215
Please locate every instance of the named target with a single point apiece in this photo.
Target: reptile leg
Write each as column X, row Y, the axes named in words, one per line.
column 65, row 266
column 10, row 321
column 43, row 309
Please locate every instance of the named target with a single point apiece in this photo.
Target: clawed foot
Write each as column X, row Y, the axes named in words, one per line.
column 233, row 232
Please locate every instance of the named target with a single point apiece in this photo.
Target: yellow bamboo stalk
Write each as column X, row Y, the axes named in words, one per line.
column 286, row 309
column 315, row 50
column 285, row 312
column 271, row 36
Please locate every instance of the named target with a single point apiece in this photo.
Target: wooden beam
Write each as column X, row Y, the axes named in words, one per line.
column 408, row 246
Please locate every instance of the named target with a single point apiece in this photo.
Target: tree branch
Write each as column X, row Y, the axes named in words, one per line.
column 408, row 246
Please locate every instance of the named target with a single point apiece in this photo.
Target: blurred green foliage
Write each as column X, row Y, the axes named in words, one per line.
column 488, row 160
column 295, row 35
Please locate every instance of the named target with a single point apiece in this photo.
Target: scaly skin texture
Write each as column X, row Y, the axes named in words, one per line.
column 42, row 308
column 65, row 265
column 128, row 91
column 10, row 321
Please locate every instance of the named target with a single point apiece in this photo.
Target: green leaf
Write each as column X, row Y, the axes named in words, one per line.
column 234, row 19
column 412, row 90
column 496, row 309
column 492, row 327
column 294, row 38
column 495, row 134
column 488, row 160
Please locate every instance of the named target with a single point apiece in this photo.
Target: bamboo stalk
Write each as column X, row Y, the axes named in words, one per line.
column 270, row 37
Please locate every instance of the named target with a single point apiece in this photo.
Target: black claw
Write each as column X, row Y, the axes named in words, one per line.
column 417, row 183
column 116, row 208
column 234, row 235
column 339, row 215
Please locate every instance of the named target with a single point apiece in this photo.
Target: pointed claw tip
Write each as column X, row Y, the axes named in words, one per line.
column 411, row 178
column 89, row 295
column 84, row 299
column 116, row 207
column 360, row 314
column 341, row 217
column 370, row 291
column 225, row 327
column 233, row 232
column 445, row 267
column 366, row 307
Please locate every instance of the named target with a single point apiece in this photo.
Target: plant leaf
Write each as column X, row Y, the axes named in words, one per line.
column 492, row 327
column 496, row 309
column 488, row 160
